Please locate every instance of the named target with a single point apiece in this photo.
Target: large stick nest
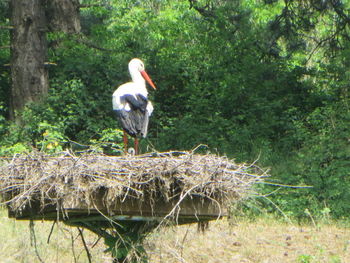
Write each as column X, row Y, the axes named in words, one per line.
column 37, row 176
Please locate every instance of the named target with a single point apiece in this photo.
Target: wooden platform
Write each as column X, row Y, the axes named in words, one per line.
column 190, row 210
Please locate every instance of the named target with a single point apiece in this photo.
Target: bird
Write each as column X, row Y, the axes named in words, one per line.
column 131, row 105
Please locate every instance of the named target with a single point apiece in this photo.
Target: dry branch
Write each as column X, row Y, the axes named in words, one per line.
column 168, row 176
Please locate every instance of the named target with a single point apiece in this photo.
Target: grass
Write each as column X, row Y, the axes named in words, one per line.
column 65, row 245
column 263, row 240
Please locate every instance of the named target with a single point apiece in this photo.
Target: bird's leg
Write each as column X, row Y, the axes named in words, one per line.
column 136, row 146
column 125, row 138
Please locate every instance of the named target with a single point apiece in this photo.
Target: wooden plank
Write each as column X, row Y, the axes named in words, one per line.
column 190, row 209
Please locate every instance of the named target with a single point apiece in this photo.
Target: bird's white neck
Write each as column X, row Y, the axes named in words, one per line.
column 139, row 81
column 137, row 77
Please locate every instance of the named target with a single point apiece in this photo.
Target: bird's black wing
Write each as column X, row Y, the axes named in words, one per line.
column 138, row 103
column 131, row 121
column 134, row 121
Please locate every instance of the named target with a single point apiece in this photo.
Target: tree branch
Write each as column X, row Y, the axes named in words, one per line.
column 7, row 27
column 92, row 45
column 204, row 11
column 337, row 6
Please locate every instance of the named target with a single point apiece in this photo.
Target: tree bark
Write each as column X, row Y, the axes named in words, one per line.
column 63, row 15
column 28, row 53
column 31, row 19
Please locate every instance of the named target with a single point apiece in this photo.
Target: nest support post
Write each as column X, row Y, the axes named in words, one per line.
column 124, row 239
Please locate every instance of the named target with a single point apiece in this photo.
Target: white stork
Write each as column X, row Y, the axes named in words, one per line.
column 131, row 105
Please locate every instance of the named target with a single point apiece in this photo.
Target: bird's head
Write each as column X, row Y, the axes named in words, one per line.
column 137, row 65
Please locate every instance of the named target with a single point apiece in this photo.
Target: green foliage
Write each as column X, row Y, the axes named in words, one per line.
column 13, row 149
column 4, row 59
column 250, row 79
column 109, row 142
column 325, row 157
column 52, row 140
column 305, row 258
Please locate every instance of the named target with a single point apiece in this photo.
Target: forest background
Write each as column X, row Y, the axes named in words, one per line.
column 256, row 80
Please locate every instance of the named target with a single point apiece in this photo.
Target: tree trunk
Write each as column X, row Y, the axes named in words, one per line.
column 31, row 20
column 28, row 53
column 63, row 15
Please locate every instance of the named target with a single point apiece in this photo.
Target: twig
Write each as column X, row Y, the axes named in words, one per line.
column 307, row 211
column 92, row 45
column 177, row 205
column 52, row 227
column 286, row 185
column 183, row 241
column 7, row 27
column 270, row 193
column 33, row 239
column 279, row 209
column 197, row 147
column 72, row 242
column 96, row 242
column 85, row 246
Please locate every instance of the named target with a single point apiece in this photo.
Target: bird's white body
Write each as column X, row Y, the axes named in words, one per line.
column 130, row 101
column 131, row 88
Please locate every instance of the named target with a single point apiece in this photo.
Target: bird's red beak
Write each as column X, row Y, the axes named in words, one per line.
column 148, row 79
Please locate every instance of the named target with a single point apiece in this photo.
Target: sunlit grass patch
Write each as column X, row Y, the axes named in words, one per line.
column 265, row 240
